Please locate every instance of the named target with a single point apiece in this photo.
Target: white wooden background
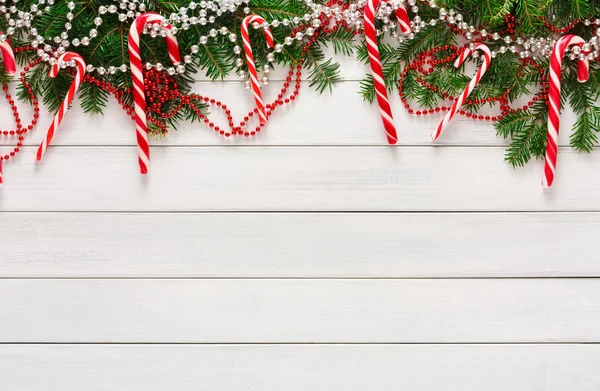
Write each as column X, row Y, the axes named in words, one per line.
column 314, row 257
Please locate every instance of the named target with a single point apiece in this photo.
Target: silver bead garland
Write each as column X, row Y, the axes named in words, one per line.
column 206, row 12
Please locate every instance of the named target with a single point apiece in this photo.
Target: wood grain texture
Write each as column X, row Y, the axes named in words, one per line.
column 300, row 311
column 342, row 118
column 296, row 179
column 301, row 368
column 313, row 245
column 178, row 301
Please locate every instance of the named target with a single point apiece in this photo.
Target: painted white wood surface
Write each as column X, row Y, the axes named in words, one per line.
column 305, row 245
column 340, row 118
column 296, row 179
column 300, row 311
column 301, row 368
column 92, row 254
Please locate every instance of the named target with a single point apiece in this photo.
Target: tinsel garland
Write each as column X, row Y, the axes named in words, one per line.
column 415, row 43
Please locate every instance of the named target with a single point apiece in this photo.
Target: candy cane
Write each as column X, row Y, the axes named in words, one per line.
column 9, row 56
column 139, row 97
column 462, row 99
column 375, row 60
column 403, row 20
column 1, row 176
column 554, row 100
column 80, row 63
column 250, row 61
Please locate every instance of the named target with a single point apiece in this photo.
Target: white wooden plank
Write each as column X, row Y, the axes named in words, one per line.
column 295, row 179
column 339, row 118
column 300, row 311
column 314, row 245
column 301, row 368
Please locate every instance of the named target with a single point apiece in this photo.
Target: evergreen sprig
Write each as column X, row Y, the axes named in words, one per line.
column 526, row 129
column 324, row 74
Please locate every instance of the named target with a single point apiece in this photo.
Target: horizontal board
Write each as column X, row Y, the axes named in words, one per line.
column 295, row 179
column 300, row 311
column 313, row 245
column 301, row 368
column 341, row 118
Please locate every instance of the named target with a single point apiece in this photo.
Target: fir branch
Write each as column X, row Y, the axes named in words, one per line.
column 585, row 130
column 579, row 9
column 451, row 81
column 324, row 74
column 428, row 38
column 213, row 60
column 410, row 85
column 496, row 11
column 367, row 89
column 279, row 9
column 390, row 75
column 582, row 99
column 54, row 90
column 362, row 52
column 529, row 134
column 521, row 148
column 93, row 98
column 529, row 14
column 164, row 7
column 526, row 129
column 35, row 77
column 342, row 41
column 515, row 122
column 188, row 114
column 387, row 53
column 4, row 77
column 503, row 74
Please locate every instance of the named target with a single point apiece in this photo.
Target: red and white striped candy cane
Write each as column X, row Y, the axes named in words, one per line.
column 80, row 64
column 371, row 37
column 554, row 100
column 462, row 99
column 139, row 96
column 250, row 61
column 403, row 20
column 9, row 57
column 1, row 176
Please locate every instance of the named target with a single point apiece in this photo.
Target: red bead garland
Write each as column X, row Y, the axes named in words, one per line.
column 428, row 58
column 20, row 130
column 166, row 101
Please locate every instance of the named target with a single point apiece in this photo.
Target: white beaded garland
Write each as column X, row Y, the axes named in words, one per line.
column 205, row 12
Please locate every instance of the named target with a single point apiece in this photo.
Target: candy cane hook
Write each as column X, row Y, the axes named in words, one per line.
column 583, row 72
column 403, row 20
column 462, row 99
column 139, row 97
column 376, row 68
column 8, row 55
column 65, row 58
column 250, row 61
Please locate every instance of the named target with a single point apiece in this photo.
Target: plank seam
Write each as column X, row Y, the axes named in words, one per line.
column 187, row 278
column 302, row 213
column 512, row 343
